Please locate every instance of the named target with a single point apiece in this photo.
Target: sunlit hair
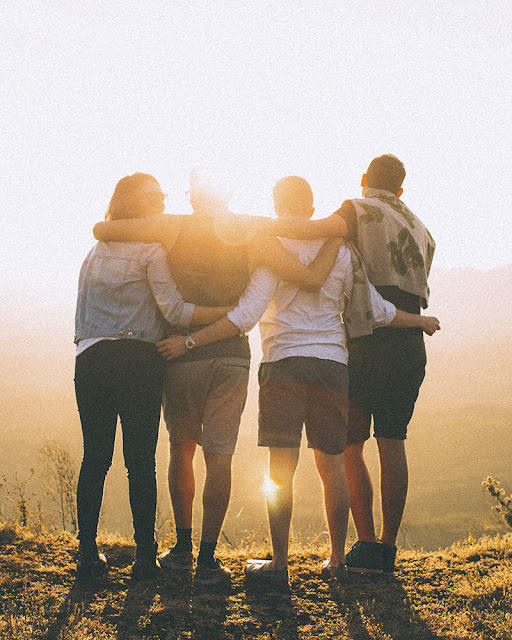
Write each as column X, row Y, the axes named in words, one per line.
column 126, row 201
column 385, row 172
column 211, row 183
column 293, row 194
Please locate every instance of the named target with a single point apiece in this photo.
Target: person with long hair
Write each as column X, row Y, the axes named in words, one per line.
column 126, row 298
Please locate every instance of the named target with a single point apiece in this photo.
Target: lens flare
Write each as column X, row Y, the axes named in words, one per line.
column 270, row 488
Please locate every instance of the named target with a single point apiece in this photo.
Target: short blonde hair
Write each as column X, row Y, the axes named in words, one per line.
column 293, row 194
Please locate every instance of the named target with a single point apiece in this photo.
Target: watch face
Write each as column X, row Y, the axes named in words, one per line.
column 190, row 343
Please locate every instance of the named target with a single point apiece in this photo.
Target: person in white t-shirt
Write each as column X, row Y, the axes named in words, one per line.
column 303, row 379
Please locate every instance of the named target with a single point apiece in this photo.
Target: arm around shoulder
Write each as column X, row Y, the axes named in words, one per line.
column 270, row 253
column 332, row 226
column 159, row 228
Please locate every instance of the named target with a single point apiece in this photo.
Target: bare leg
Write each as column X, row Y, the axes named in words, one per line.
column 182, row 482
column 394, row 480
column 282, row 465
column 337, row 501
column 361, row 492
column 216, row 494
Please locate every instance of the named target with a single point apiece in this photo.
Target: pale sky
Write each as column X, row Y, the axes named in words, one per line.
column 95, row 90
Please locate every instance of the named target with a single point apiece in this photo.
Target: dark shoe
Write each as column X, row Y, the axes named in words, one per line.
column 214, row 573
column 388, row 557
column 176, row 560
column 90, row 563
column 328, row 572
column 366, row 557
column 256, row 571
column 146, row 565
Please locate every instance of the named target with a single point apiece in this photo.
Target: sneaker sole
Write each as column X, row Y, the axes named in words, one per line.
column 172, row 561
column 365, row 570
column 277, row 578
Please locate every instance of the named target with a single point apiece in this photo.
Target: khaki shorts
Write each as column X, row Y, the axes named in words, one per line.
column 203, row 401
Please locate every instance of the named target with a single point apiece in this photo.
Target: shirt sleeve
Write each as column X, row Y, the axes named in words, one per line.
column 383, row 311
column 255, row 299
column 348, row 213
column 169, row 300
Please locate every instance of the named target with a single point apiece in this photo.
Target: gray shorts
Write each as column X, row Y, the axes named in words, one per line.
column 203, row 401
column 299, row 391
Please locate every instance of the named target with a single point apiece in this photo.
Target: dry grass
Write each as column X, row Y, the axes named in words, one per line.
column 463, row 592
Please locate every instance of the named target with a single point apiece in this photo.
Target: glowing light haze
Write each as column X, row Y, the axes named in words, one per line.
column 96, row 90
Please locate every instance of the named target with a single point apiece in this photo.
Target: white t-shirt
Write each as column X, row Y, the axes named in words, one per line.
column 294, row 322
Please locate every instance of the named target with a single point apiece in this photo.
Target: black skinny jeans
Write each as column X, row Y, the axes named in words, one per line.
column 119, row 378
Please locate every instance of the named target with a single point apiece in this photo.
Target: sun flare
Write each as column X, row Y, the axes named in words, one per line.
column 270, row 488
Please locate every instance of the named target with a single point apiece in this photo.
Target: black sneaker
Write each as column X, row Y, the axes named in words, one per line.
column 146, row 565
column 388, row 557
column 366, row 557
column 214, row 573
column 173, row 559
column 90, row 563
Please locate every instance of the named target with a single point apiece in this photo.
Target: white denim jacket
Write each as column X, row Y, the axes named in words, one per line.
column 126, row 291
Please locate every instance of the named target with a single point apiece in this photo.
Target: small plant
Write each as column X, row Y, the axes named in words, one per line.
column 504, row 507
column 61, row 470
column 39, row 523
column 3, row 485
column 19, row 489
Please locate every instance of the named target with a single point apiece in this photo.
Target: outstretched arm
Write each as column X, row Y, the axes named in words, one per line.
column 332, row 226
column 270, row 253
column 207, row 315
column 161, row 228
column 383, row 310
column 242, row 319
column 403, row 320
column 174, row 346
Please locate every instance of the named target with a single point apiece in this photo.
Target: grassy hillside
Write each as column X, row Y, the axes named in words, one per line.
column 463, row 592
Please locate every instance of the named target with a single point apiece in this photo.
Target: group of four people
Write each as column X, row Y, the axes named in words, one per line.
column 189, row 288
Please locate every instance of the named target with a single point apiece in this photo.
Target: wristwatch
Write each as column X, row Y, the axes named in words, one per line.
column 190, row 343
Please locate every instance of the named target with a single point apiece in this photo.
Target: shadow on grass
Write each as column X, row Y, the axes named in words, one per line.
column 136, row 615
column 208, row 611
column 75, row 606
column 173, row 607
column 381, row 605
column 272, row 611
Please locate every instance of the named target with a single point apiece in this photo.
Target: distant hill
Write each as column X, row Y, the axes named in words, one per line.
column 475, row 309
column 474, row 306
column 470, row 359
